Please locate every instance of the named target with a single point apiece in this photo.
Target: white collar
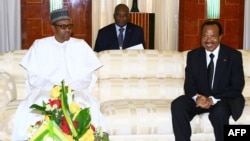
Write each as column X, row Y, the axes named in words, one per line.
column 215, row 52
column 118, row 27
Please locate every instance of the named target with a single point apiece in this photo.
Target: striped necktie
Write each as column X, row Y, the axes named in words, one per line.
column 120, row 38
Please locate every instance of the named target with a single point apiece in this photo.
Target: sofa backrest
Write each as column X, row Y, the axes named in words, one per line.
column 128, row 73
column 246, row 65
column 140, row 74
column 141, row 64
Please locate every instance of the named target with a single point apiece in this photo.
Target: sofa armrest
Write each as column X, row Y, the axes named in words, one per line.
column 7, row 89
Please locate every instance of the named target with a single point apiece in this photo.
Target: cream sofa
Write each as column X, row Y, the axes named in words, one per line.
column 134, row 88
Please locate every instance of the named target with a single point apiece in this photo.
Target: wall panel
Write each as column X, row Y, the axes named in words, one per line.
column 35, row 22
column 192, row 15
column 147, row 22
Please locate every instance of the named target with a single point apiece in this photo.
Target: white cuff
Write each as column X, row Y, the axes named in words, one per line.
column 214, row 100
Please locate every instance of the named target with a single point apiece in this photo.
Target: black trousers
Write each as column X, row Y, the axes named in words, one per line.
column 183, row 110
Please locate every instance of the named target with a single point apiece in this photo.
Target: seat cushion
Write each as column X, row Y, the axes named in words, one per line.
column 130, row 117
column 141, row 117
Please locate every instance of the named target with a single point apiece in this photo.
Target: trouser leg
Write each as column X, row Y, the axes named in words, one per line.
column 219, row 116
column 181, row 118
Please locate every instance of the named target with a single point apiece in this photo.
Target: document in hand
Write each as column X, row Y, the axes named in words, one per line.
column 139, row 46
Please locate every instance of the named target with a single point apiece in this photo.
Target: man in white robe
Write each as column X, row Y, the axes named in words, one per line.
column 51, row 60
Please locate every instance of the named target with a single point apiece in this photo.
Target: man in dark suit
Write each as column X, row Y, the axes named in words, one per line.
column 108, row 37
column 221, row 98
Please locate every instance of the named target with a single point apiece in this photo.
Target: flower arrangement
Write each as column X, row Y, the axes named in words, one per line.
column 63, row 119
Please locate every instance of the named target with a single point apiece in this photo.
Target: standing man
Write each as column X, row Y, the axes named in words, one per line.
column 121, row 34
column 221, row 96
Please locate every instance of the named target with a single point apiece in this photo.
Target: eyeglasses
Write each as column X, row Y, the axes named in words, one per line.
column 64, row 26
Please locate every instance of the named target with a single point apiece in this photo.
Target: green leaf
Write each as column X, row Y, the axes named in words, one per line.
column 83, row 118
column 105, row 139
column 49, row 130
column 37, row 107
column 65, row 110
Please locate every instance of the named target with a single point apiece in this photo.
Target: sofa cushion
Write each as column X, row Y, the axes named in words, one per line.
column 6, row 123
column 140, row 117
column 161, row 137
column 130, row 117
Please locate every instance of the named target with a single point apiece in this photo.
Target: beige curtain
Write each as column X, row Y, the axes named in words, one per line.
column 10, row 25
column 166, row 19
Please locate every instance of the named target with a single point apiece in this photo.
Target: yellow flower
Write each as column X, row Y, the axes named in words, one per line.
column 88, row 136
column 55, row 92
column 74, row 107
column 46, row 118
column 30, row 128
column 69, row 137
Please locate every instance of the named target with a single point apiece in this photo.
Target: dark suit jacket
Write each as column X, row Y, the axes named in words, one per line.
column 107, row 37
column 228, row 80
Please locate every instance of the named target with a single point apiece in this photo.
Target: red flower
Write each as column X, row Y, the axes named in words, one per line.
column 75, row 124
column 65, row 127
column 38, row 123
column 56, row 102
column 92, row 127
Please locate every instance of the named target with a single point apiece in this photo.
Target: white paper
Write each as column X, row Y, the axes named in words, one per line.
column 139, row 46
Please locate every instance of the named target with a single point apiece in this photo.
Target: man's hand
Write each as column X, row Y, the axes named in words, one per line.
column 203, row 102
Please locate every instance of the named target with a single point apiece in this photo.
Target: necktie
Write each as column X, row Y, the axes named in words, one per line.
column 120, row 37
column 211, row 71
